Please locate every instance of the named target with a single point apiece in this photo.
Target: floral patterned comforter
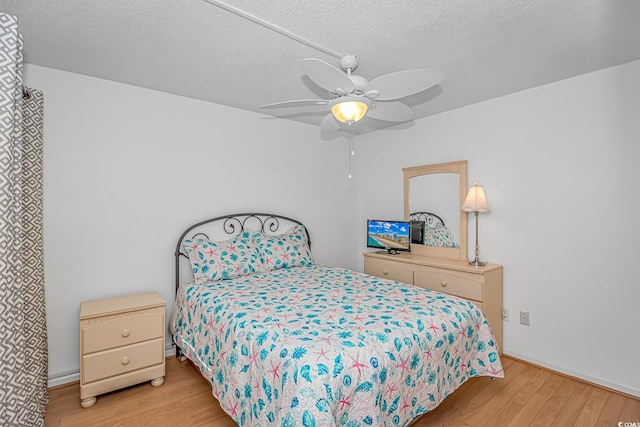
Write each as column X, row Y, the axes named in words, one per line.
column 325, row 346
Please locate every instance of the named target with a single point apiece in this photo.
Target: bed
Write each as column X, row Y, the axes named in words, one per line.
column 285, row 341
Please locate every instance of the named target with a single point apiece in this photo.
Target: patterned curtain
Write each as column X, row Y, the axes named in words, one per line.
column 23, row 331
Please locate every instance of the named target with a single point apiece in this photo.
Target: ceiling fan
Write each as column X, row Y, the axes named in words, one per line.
column 354, row 97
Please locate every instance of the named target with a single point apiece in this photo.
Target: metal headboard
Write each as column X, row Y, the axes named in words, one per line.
column 233, row 224
column 429, row 218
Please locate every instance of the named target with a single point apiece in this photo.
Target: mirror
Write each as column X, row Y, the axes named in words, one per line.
column 439, row 189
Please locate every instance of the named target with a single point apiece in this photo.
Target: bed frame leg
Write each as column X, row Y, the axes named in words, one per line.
column 181, row 357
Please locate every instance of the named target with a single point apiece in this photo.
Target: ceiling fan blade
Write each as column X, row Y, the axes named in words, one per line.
column 296, row 103
column 392, row 111
column 402, row 83
column 329, row 128
column 327, row 76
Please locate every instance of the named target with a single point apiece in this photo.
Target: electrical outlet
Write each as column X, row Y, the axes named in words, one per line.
column 505, row 314
column 525, row 318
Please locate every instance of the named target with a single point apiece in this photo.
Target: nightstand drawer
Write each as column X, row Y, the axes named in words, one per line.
column 460, row 284
column 105, row 333
column 388, row 270
column 121, row 360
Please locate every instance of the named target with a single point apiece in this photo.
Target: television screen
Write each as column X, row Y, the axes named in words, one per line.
column 393, row 236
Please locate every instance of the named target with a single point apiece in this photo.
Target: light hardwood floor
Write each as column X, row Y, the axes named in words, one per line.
column 527, row 396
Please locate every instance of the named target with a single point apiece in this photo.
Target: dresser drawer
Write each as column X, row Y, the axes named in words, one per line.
column 388, row 270
column 122, row 360
column 460, row 284
column 105, row 333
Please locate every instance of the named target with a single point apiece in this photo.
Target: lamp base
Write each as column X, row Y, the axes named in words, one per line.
column 477, row 263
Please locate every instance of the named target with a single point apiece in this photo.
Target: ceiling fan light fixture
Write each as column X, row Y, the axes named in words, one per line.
column 349, row 109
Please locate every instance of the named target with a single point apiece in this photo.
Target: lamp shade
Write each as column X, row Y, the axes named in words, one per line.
column 349, row 109
column 476, row 200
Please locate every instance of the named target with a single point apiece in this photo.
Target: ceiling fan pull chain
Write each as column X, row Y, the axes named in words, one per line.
column 352, row 151
column 350, row 175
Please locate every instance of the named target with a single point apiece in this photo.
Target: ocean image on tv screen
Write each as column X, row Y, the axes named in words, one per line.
column 388, row 234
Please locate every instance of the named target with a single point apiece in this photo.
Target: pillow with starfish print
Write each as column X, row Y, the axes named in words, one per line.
column 213, row 261
column 290, row 249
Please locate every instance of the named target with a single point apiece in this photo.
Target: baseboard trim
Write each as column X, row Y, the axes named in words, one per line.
column 63, row 378
column 587, row 379
column 66, row 377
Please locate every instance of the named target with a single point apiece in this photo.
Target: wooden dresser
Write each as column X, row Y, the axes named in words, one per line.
column 482, row 285
column 121, row 344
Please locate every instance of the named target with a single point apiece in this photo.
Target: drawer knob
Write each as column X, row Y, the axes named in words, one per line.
column 385, row 272
column 125, row 360
column 443, row 284
column 125, row 333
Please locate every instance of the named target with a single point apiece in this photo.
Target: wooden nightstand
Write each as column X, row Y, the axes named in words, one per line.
column 121, row 344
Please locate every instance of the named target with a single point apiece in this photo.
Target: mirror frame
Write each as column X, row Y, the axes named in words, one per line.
column 459, row 167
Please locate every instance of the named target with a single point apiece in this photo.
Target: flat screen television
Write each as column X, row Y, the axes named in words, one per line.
column 392, row 236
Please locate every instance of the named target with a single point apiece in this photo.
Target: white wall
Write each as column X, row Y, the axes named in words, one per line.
column 560, row 166
column 128, row 169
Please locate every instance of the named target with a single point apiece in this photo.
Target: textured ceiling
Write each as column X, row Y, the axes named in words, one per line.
column 486, row 48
